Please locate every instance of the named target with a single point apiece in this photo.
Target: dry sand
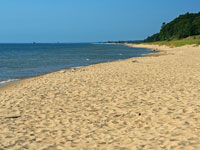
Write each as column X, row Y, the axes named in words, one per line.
column 147, row 103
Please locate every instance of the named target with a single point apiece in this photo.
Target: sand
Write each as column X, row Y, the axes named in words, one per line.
column 146, row 103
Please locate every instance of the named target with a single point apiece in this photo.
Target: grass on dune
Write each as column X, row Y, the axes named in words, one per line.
column 192, row 40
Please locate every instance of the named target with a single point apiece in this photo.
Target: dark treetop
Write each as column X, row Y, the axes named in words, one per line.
column 181, row 27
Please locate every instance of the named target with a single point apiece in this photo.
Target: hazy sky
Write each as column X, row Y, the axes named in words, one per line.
column 86, row 20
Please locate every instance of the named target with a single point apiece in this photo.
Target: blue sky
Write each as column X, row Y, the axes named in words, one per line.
column 87, row 20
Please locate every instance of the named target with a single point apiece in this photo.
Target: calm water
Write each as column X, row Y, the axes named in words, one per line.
column 19, row 61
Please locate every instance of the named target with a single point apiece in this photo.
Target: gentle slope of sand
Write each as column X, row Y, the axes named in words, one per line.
column 146, row 103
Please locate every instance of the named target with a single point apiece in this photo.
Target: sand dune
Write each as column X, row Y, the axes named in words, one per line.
column 136, row 104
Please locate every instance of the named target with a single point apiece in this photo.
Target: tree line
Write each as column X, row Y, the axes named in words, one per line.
column 181, row 27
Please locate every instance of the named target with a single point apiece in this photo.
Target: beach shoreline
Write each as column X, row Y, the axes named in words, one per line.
column 15, row 81
column 138, row 103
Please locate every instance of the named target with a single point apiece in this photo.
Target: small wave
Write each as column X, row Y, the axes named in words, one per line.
column 8, row 81
column 120, row 54
column 71, row 68
column 87, row 59
column 78, row 67
column 15, row 68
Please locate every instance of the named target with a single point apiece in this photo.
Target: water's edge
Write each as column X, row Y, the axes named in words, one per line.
column 10, row 81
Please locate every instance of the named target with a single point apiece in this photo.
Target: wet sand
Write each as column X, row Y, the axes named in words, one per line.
column 146, row 103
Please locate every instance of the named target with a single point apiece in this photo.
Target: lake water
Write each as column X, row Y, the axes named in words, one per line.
column 18, row 61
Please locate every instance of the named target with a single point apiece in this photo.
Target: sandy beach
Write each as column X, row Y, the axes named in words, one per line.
column 144, row 103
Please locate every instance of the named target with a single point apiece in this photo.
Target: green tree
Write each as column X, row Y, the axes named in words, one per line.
column 181, row 27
